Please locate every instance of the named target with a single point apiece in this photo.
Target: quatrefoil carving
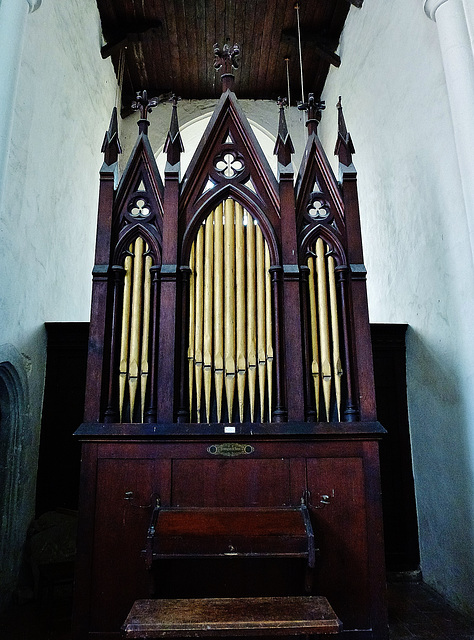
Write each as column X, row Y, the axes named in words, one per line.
column 229, row 164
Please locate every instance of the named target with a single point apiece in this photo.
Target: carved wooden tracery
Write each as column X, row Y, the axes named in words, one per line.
column 230, row 295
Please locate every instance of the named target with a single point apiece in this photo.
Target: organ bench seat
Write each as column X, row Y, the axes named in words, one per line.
column 231, row 617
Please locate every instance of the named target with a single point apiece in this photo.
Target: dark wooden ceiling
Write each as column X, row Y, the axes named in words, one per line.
column 167, row 45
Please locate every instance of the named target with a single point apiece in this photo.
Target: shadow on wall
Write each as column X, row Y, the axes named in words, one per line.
column 442, row 469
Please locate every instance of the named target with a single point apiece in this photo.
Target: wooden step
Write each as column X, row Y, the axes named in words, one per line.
column 293, row 615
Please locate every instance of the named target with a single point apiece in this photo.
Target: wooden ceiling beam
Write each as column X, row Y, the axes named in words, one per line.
column 316, row 42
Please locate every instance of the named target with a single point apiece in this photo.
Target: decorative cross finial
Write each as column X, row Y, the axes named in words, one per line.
column 175, row 99
column 226, row 58
column 314, row 108
column 144, row 105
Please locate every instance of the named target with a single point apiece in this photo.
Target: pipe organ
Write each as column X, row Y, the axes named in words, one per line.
column 229, row 368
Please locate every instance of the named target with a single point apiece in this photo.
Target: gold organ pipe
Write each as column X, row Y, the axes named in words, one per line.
column 218, row 309
column 191, row 330
column 251, row 315
column 336, row 351
column 261, row 334
column 199, row 299
column 123, row 368
column 145, row 329
column 135, row 325
column 323, row 325
column 208, row 291
column 314, row 333
column 268, row 325
column 240, row 300
column 229, row 304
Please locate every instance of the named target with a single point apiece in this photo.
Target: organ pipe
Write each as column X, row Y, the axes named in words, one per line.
column 219, row 309
column 326, row 364
column 135, row 331
column 229, row 304
column 230, row 317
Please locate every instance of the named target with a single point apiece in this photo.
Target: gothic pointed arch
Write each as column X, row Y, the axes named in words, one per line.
column 229, row 154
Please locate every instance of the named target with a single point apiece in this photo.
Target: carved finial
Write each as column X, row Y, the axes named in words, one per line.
column 283, row 145
column 144, row 105
column 314, row 110
column 173, row 144
column 226, row 59
column 344, row 147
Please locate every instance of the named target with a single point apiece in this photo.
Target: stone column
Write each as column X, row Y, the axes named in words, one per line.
column 12, row 22
column 458, row 62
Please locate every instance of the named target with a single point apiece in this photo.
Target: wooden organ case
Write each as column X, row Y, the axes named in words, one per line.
column 229, row 371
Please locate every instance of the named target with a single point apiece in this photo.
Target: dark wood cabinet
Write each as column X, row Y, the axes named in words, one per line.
column 337, row 469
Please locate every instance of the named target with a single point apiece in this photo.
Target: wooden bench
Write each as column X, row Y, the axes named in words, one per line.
column 288, row 616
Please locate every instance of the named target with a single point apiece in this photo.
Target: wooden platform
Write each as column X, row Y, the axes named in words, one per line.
column 307, row 615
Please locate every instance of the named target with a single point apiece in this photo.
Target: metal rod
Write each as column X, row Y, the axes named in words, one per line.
column 297, row 7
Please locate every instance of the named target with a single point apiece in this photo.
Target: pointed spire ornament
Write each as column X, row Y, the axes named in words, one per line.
column 226, row 59
column 174, row 144
column 283, row 146
column 144, row 105
column 344, row 147
column 314, row 109
column 111, row 145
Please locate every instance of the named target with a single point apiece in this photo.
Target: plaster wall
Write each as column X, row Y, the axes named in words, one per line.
column 419, row 260
column 65, row 93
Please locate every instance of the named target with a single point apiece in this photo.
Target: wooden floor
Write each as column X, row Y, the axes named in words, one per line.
column 416, row 612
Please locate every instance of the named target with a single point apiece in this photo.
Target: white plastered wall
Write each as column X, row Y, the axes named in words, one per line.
column 419, row 260
column 64, row 96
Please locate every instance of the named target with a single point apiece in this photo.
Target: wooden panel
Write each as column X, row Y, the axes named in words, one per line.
column 125, row 490
column 237, row 482
column 173, row 49
column 340, row 528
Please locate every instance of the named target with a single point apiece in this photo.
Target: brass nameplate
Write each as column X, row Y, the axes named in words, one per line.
column 230, row 449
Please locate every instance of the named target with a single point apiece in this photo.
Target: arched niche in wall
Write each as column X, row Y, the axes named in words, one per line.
column 12, row 423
